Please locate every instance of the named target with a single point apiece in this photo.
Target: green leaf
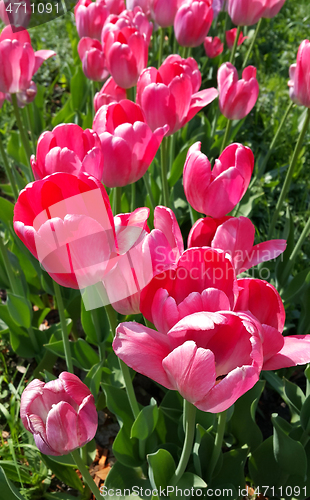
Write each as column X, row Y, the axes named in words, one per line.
column 295, row 398
column 83, row 356
column 6, row 211
column 79, row 89
column 145, row 422
column 232, row 470
column 285, row 448
column 20, row 310
column 125, row 449
column 161, row 468
column 305, row 415
column 15, row 148
column 88, row 325
column 19, row 338
column 202, row 453
column 93, row 379
column 296, row 285
column 263, row 468
column 65, row 115
column 121, row 478
column 8, row 490
column 64, row 472
column 117, row 403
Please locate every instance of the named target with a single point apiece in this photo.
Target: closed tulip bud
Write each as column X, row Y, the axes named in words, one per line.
column 213, row 46
column 216, row 192
column 68, row 148
column 110, row 92
column 115, row 6
column 231, row 36
column 164, row 12
column 237, row 97
column 128, row 144
column 90, row 18
column 93, row 59
column 246, row 12
column 272, row 8
column 299, row 82
column 192, row 22
column 60, row 414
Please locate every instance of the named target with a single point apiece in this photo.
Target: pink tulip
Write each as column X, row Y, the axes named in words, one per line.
column 18, row 61
column 93, row 59
column 245, row 12
column 19, row 16
column 66, row 222
column 299, row 82
column 217, row 6
column 126, row 52
column 164, row 12
column 60, row 414
column 90, row 18
column 145, row 6
column 192, row 22
column 129, row 19
column 231, row 36
column 115, row 6
column 236, row 237
column 169, row 95
column 216, row 192
column 110, row 92
column 128, row 144
column 272, row 8
column 2, row 98
column 152, row 253
column 68, row 148
column 237, row 97
column 213, row 46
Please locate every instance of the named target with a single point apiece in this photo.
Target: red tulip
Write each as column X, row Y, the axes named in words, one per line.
column 66, row 222
column 110, row 92
column 169, row 95
column 231, row 36
column 299, row 82
column 236, row 237
column 93, row 59
column 60, row 414
column 192, row 22
column 213, row 46
column 68, row 148
column 164, row 12
column 18, row 61
column 216, row 192
column 90, row 18
column 128, row 144
column 237, row 97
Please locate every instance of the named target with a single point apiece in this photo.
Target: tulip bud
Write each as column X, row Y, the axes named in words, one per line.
column 245, row 12
column 90, row 18
column 231, row 36
column 299, row 82
column 213, row 46
column 164, row 12
column 110, row 92
column 60, row 414
column 192, row 22
column 93, row 59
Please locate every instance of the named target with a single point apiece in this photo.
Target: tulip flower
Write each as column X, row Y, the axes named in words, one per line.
column 66, row 222
column 164, row 12
column 236, row 237
column 115, row 6
column 60, row 414
column 90, row 18
column 231, row 36
column 237, row 97
column 213, row 46
column 18, row 61
column 128, row 143
column 245, row 12
column 299, row 82
column 2, row 98
column 216, row 192
column 19, row 17
column 169, row 95
column 68, row 148
column 93, row 59
column 110, row 92
column 217, row 6
column 129, row 19
column 192, row 22
column 145, row 6
column 272, row 8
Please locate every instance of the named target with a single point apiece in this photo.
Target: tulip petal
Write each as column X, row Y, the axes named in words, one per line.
column 296, row 351
column 62, row 428
column 41, row 56
column 263, row 252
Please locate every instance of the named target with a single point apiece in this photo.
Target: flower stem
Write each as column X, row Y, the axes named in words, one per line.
column 164, row 180
column 28, row 124
column 86, row 475
column 233, row 52
column 161, row 47
column 274, row 140
column 252, row 43
column 117, row 201
column 189, row 424
column 289, row 175
column 94, row 316
column 133, row 197
column 146, row 179
column 296, row 251
column 21, row 129
column 226, row 135
column 65, row 338
column 218, row 442
column 7, row 169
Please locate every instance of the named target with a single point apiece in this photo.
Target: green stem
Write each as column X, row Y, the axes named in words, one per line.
column 28, row 121
column 94, row 316
column 86, row 475
column 193, row 214
column 172, row 149
column 21, row 129
column 274, row 140
column 164, row 180
column 33, row 338
column 64, row 332
column 117, row 200
column 289, row 175
column 233, row 52
column 133, row 197
column 226, row 135
column 161, row 47
column 7, row 169
column 252, row 43
column 8, row 268
column 218, row 442
column 189, row 420
column 92, row 97
column 296, row 251
column 215, row 120
column 146, row 179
